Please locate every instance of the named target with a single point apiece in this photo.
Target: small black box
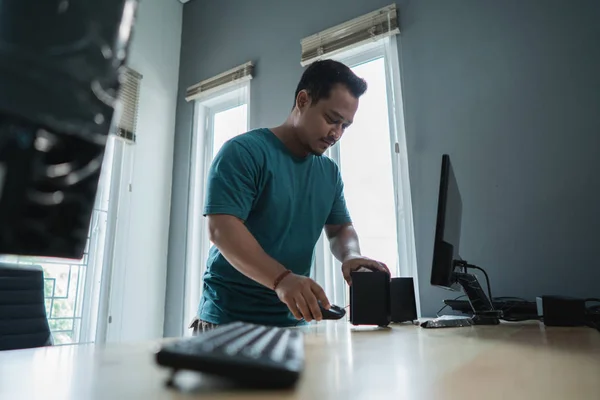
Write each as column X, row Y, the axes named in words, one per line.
column 370, row 298
column 561, row 310
column 403, row 306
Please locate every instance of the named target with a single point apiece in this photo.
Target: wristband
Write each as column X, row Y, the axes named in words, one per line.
column 280, row 278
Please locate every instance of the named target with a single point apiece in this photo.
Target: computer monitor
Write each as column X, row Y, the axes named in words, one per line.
column 448, row 270
column 447, row 230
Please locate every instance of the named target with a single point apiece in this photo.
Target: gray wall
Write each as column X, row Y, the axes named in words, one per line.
column 139, row 265
column 510, row 89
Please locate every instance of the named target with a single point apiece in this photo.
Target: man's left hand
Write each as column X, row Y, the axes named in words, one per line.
column 355, row 263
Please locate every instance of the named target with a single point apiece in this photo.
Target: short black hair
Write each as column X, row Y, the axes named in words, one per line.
column 321, row 76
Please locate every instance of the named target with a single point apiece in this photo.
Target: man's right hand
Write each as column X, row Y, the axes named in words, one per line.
column 301, row 295
column 245, row 254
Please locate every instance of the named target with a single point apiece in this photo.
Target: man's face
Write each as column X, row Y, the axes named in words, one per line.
column 322, row 124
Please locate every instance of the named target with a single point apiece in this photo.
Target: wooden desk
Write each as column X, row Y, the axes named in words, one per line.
column 511, row 361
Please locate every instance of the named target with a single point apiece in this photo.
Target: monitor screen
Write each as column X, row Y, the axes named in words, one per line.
column 448, row 226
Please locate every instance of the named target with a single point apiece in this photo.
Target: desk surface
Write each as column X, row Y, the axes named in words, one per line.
column 510, row 361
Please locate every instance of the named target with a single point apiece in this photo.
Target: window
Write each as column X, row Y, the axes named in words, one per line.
column 225, row 120
column 72, row 287
column 374, row 167
column 369, row 187
column 228, row 123
column 218, row 118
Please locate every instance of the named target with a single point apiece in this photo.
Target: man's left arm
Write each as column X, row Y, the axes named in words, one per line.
column 345, row 247
column 343, row 241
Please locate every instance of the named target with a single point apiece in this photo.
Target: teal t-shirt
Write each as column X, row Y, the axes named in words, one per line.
column 285, row 201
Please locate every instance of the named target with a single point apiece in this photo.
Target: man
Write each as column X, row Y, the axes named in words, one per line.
column 270, row 193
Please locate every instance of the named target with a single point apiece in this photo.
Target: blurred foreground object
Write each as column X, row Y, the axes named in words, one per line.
column 61, row 67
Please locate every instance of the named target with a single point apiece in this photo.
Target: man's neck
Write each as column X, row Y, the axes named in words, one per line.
column 288, row 136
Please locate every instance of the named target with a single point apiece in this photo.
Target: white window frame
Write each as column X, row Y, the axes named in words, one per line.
column 327, row 268
column 197, row 242
column 114, row 271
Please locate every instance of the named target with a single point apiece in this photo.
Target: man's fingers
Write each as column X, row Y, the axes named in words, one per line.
column 347, row 277
column 384, row 268
column 301, row 303
column 313, row 305
column 294, row 309
column 378, row 266
column 321, row 296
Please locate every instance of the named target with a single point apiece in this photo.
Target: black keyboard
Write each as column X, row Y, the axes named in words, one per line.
column 248, row 354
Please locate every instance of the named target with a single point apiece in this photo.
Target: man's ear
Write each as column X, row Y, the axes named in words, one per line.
column 302, row 100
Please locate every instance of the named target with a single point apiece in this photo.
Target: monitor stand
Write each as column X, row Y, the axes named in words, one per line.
column 483, row 309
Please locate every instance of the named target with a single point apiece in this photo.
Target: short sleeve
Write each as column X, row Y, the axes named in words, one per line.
column 231, row 187
column 339, row 212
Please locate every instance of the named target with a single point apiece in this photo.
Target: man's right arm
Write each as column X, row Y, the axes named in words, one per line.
column 231, row 191
column 241, row 249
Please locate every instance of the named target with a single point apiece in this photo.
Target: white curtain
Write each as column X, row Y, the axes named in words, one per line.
column 327, row 272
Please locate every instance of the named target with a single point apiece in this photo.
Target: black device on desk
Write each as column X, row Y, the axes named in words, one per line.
column 334, row 312
column 247, row 354
column 375, row 299
column 370, row 298
column 512, row 308
column 449, row 271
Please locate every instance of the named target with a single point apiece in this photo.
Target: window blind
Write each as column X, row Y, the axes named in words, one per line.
column 369, row 27
column 226, row 79
column 129, row 97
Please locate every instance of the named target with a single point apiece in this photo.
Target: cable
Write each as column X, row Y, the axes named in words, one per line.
column 487, row 279
column 437, row 314
column 511, row 298
column 510, row 319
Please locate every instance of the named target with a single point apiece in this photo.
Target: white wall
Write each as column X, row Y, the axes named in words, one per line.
column 137, row 300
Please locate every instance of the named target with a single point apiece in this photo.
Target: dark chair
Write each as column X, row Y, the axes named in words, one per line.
column 23, row 321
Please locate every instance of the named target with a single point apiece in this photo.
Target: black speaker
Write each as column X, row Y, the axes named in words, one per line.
column 561, row 310
column 403, row 306
column 370, row 298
